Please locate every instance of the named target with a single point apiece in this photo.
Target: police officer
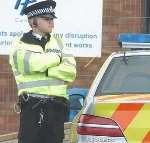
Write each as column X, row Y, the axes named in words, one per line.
column 42, row 67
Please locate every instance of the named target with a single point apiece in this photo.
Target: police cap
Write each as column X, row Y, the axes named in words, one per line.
column 41, row 8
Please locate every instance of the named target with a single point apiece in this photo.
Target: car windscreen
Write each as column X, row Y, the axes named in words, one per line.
column 132, row 76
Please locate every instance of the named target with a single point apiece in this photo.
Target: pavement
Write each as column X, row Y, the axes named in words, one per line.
column 10, row 141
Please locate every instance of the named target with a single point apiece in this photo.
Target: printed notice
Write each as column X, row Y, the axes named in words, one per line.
column 79, row 24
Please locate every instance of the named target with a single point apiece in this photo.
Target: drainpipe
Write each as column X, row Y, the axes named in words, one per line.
column 146, row 16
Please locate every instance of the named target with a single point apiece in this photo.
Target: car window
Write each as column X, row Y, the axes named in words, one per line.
column 132, row 76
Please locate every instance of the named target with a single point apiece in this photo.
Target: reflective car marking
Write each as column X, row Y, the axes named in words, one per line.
column 127, row 114
column 129, row 117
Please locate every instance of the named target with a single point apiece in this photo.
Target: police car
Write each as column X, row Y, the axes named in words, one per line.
column 117, row 107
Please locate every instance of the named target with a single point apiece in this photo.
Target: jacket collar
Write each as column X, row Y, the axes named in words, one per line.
column 37, row 36
column 35, row 39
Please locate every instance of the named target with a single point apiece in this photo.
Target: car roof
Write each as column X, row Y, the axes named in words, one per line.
column 130, row 53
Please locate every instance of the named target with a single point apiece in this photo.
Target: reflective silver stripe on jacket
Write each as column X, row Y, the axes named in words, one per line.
column 26, row 62
column 61, row 46
column 67, row 55
column 39, row 83
column 15, row 60
column 16, row 73
column 67, row 62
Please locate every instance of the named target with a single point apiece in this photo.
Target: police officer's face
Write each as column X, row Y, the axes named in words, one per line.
column 45, row 24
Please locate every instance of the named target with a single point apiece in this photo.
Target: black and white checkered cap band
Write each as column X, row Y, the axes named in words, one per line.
column 40, row 12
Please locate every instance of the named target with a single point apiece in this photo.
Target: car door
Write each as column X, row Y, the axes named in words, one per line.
column 118, row 103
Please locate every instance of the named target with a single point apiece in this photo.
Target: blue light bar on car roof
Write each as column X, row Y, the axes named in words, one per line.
column 134, row 40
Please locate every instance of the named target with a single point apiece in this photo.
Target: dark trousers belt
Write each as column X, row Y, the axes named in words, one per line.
column 43, row 99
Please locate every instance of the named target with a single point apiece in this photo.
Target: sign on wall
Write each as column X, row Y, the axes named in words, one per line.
column 79, row 23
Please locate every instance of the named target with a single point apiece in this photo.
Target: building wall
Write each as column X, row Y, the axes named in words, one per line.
column 118, row 16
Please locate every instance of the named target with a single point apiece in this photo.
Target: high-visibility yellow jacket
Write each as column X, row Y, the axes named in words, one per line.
column 42, row 71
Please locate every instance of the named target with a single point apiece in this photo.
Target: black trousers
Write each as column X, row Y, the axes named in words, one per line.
column 42, row 122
